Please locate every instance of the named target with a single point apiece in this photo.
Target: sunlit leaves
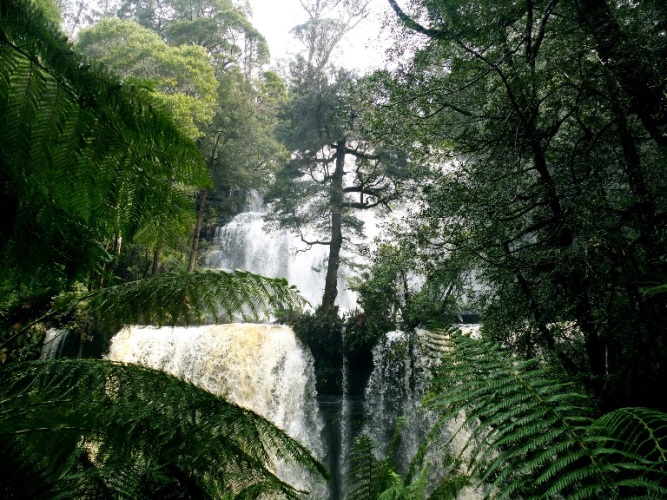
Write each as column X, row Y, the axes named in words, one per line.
column 86, row 158
column 183, row 75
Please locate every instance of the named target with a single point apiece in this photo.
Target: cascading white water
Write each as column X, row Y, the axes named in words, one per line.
column 395, row 390
column 261, row 367
column 245, row 243
column 53, row 344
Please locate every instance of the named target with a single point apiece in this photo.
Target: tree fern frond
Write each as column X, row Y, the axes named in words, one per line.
column 533, row 434
column 367, row 475
column 69, row 125
column 194, row 297
column 129, row 431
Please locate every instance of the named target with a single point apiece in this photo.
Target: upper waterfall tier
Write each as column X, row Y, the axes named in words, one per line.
column 245, row 243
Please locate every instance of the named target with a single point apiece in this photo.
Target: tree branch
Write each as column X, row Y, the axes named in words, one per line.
column 441, row 34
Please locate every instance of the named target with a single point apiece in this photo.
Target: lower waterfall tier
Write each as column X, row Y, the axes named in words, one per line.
column 260, row 367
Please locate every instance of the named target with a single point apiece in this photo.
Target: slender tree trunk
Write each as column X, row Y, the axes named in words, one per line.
column 195, row 236
column 336, row 204
column 157, row 256
column 147, row 264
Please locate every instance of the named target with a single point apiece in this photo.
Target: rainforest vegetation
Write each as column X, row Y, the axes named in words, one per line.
column 526, row 142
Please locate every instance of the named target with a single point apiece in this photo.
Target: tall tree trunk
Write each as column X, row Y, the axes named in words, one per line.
column 336, row 204
column 195, row 236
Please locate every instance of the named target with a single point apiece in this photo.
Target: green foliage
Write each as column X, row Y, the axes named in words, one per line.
column 368, row 476
column 372, row 478
column 187, row 298
column 220, row 26
column 530, row 433
column 335, row 169
column 90, row 428
column 545, row 132
column 50, row 10
column 395, row 294
column 322, row 333
column 237, row 139
column 399, row 287
column 68, row 126
column 240, row 144
column 362, row 332
column 183, row 76
column 170, row 298
column 89, row 161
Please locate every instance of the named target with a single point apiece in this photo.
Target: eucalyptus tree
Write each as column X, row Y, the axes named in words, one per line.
column 184, row 81
column 78, row 14
column 182, row 76
column 336, row 167
column 86, row 157
column 220, row 26
column 69, row 127
column 550, row 177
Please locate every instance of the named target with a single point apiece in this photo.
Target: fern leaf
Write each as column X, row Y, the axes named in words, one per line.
column 124, row 430
column 183, row 298
column 533, row 434
column 367, row 475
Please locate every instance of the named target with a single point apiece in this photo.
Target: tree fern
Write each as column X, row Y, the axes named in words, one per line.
column 95, row 428
column 367, row 476
column 533, row 434
column 370, row 477
column 177, row 298
column 85, row 160
column 85, row 156
column 194, row 297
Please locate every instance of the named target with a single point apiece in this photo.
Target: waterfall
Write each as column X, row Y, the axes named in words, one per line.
column 395, row 389
column 57, row 343
column 246, row 243
column 260, row 367
column 264, row 368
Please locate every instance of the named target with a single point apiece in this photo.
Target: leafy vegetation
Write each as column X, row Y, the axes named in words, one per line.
column 336, row 167
column 529, row 432
column 530, row 139
column 322, row 332
column 69, row 126
column 83, row 428
column 547, row 175
column 370, row 478
column 90, row 161
column 183, row 76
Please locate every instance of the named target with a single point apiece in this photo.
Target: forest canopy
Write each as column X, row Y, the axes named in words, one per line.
column 526, row 141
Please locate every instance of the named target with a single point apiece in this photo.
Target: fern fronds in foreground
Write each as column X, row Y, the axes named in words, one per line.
column 82, row 428
column 371, row 478
column 187, row 298
column 85, row 156
column 367, row 476
column 534, row 434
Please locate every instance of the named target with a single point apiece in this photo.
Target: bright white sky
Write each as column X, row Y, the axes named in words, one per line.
column 363, row 50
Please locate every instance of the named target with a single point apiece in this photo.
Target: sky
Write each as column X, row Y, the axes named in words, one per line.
column 363, row 50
